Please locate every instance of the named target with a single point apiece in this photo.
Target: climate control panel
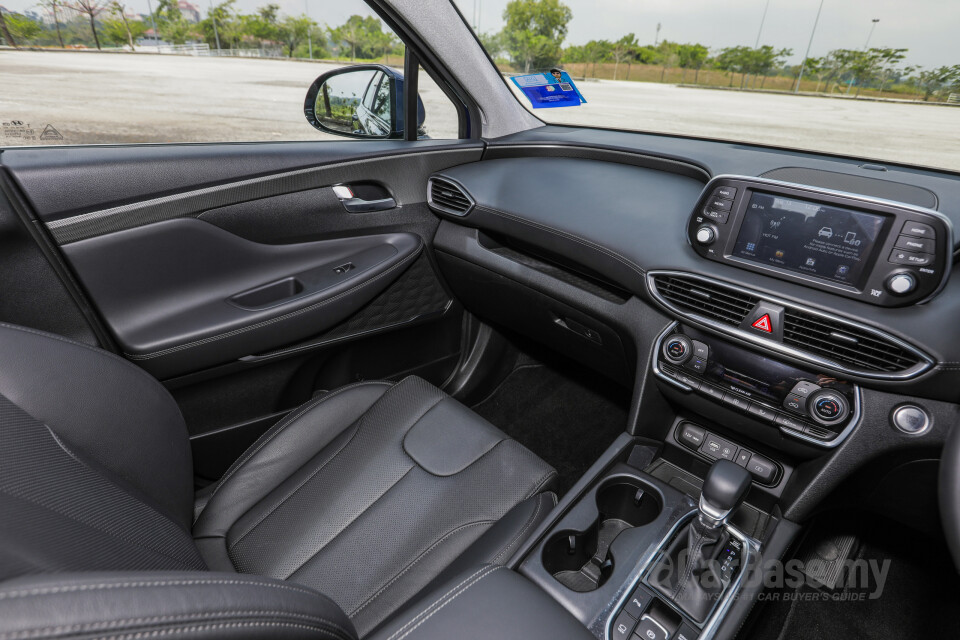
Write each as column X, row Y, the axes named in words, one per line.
column 803, row 404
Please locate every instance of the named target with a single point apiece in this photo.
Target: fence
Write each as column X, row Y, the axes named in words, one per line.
column 953, row 98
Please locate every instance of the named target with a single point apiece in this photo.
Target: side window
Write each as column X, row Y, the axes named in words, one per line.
column 224, row 71
column 381, row 103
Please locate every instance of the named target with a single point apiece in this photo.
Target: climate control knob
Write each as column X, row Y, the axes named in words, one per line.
column 706, row 234
column 900, row 284
column 828, row 407
column 677, row 349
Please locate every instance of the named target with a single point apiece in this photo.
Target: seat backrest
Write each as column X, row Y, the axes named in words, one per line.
column 95, row 466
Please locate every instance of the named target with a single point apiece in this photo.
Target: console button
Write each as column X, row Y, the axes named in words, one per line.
column 804, row 388
column 795, row 403
column 918, row 230
column 711, row 391
column 697, row 364
column 736, row 401
column 900, row 256
column 743, row 458
column 923, row 245
column 720, row 217
column 637, row 603
column 650, row 629
column 692, row 435
column 701, row 350
column 762, row 469
column 910, row 419
column 728, row 193
column 688, row 380
column 686, row 632
column 716, row 447
column 622, row 627
column 828, row 407
column 719, row 204
column 761, row 412
column 677, row 349
column 789, row 422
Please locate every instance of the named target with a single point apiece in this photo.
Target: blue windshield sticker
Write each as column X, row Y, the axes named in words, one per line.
column 549, row 90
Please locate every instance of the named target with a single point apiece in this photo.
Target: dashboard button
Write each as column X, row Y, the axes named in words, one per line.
column 728, row 193
column 736, row 401
column 719, row 204
column 761, row 412
column 804, row 388
column 677, row 349
column 701, row 350
column 637, row 603
column 789, row 423
column 686, row 632
column 762, row 469
column 706, row 234
column 828, row 407
column 900, row 284
column 716, row 447
column 697, row 364
column 692, row 435
column 901, row 256
column 720, row 217
column 711, row 391
column 918, row 230
column 795, row 403
column 688, row 380
column 743, row 458
column 910, row 419
column 923, row 245
column 650, row 629
column 622, row 627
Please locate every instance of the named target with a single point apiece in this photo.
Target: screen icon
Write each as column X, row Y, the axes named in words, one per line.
column 751, row 246
column 811, row 261
column 779, row 253
column 825, row 232
column 842, row 270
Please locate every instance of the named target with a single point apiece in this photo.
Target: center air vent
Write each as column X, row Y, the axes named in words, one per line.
column 705, row 298
column 826, row 340
column 448, row 197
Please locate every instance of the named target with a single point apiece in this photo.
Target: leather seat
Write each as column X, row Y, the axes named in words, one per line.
column 369, row 494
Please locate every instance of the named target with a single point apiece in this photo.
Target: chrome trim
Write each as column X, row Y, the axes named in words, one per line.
column 751, row 548
column 708, row 323
column 826, row 444
column 443, row 209
column 711, row 516
column 927, row 422
column 948, row 224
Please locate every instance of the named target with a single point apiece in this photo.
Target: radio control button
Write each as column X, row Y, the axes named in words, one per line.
column 918, row 230
column 706, row 234
column 719, row 204
column 720, row 217
column 900, row 284
column 901, row 256
column 728, row 193
column 923, row 245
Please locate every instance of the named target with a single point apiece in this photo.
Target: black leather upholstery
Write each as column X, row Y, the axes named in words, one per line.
column 482, row 603
column 369, row 494
column 160, row 604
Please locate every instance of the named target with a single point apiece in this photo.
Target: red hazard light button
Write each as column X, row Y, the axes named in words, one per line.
column 763, row 323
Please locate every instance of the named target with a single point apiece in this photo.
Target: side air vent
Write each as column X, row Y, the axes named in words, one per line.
column 821, row 339
column 703, row 298
column 845, row 343
column 447, row 197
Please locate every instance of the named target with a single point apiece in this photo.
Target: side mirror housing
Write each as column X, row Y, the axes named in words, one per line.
column 361, row 101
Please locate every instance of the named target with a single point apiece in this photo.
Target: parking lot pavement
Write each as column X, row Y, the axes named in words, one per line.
column 116, row 98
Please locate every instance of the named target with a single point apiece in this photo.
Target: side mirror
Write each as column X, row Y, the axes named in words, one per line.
column 361, row 101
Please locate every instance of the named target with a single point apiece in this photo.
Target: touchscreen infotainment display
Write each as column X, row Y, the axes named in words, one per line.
column 819, row 240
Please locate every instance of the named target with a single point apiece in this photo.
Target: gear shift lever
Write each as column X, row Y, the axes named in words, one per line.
column 687, row 571
column 724, row 488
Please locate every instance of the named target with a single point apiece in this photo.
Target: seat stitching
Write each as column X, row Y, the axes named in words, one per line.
column 183, row 617
column 519, row 536
column 44, row 591
column 286, row 422
column 268, row 322
column 418, row 559
column 304, row 482
column 435, row 602
column 448, row 601
column 541, row 483
column 216, row 626
column 568, row 235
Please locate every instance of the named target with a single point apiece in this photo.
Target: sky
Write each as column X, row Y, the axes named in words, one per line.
column 929, row 28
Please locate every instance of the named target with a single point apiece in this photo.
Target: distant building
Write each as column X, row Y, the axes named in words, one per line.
column 189, row 11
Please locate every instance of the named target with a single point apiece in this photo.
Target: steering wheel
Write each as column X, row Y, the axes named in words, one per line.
column 950, row 493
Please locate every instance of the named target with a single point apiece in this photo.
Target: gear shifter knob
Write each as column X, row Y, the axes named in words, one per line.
column 724, row 489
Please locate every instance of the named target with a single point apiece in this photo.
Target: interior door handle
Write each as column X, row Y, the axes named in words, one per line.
column 354, row 204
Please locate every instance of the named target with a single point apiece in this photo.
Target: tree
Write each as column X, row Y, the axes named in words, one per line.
column 887, row 61
column 492, row 41
column 92, row 9
column 816, row 67
column 733, row 60
column 362, row 35
column 692, row 56
column 52, row 6
column 5, row 29
column 171, row 23
column 23, row 27
column 623, row 50
column 294, row 30
column 121, row 11
column 596, row 51
column 534, row 31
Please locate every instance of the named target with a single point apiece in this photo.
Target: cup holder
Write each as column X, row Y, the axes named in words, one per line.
column 581, row 560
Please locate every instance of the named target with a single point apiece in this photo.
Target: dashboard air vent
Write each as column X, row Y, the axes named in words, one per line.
column 844, row 343
column 714, row 301
column 447, row 197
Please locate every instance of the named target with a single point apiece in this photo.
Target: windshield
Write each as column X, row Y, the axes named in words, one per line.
column 877, row 80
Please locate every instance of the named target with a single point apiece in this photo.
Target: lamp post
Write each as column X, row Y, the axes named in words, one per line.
column 762, row 20
column 216, row 34
column 806, row 55
column 866, row 44
column 306, row 12
column 156, row 34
